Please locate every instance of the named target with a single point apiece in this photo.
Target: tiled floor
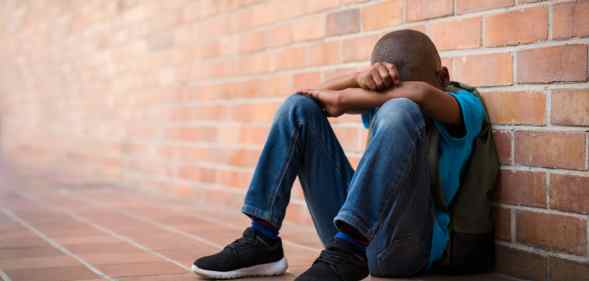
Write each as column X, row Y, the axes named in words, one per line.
column 52, row 232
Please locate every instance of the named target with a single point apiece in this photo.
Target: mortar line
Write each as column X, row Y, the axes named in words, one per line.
column 173, row 229
column 542, row 252
column 4, row 276
column 55, row 245
column 541, row 210
column 110, row 232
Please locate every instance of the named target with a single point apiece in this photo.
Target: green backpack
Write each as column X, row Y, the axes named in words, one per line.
column 471, row 247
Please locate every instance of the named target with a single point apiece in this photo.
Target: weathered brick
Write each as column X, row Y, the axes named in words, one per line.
column 347, row 21
column 522, row 188
column 506, row 107
column 308, row 28
column 484, row 70
column 570, row 107
column 467, row 6
column 323, row 53
column 515, row 28
column 444, row 34
column 552, row 64
column 570, row 19
column 521, row 264
column 554, row 232
column 565, row 270
column 550, row 149
column 385, row 14
column 426, row 9
column 569, row 193
column 279, row 35
column 503, row 141
column 358, row 48
column 307, row 80
column 502, row 223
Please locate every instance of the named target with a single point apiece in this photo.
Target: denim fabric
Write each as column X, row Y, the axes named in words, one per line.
column 387, row 199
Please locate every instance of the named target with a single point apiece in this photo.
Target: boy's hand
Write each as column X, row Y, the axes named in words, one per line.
column 330, row 100
column 378, row 77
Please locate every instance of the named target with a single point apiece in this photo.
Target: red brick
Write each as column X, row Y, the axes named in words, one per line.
column 307, row 80
column 552, row 64
column 467, row 6
column 550, row 149
column 197, row 174
column 514, row 27
column 502, row 223
column 358, row 48
column 314, row 6
column 291, row 57
column 566, row 270
column 484, row 70
column 343, row 22
column 385, row 14
column 569, row 193
column 553, row 232
column 324, row 53
column 503, row 141
column 279, row 35
column 426, row 9
column 570, row 107
column 251, row 41
column 444, row 34
column 570, row 19
column 308, row 28
column 506, row 107
column 202, row 134
column 520, row 264
column 522, row 188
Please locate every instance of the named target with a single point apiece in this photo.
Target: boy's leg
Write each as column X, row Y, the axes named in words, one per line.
column 390, row 198
column 301, row 142
column 388, row 202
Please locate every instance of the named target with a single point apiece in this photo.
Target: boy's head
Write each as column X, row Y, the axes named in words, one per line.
column 414, row 55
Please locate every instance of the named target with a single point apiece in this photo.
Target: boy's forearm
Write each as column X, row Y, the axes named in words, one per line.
column 340, row 83
column 434, row 102
column 358, row 100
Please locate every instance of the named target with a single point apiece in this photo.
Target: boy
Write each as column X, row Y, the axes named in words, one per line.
column 381, row 218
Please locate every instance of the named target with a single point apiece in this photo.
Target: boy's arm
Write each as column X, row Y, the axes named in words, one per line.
column 377, row 77
column 434, row 102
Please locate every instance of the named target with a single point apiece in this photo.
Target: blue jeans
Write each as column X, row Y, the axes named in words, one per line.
column 387, row 199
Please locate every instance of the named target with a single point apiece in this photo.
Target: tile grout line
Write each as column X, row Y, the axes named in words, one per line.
column 54, row 244
column 196, row 237
column 4, row 276
column 112, row 233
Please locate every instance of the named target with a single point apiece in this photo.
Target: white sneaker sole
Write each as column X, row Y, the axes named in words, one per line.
column 267, row 269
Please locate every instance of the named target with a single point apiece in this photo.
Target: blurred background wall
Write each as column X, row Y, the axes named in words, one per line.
column 177, row 96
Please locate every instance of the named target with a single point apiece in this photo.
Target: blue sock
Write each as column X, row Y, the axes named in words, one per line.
column 264, row 228
column 358, row 245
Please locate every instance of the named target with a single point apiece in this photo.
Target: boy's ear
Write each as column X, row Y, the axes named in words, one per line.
column 444, row 77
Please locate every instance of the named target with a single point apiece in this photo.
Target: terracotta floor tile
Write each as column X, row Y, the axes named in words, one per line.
column 119, row 258
column 179, row 277
column 38, row 262
column 52, row 274
column 140, row 269
column 15, row 253
column 95, row 248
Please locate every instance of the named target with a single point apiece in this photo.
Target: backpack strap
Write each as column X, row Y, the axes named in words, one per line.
column 433, row 157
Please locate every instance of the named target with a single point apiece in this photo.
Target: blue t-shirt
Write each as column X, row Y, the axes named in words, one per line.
column 454, row 152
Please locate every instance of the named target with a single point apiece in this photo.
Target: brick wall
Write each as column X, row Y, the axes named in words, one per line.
column 177, row 96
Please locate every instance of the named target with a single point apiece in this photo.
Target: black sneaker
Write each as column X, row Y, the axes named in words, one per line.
column 339, row 262
column 250, row 255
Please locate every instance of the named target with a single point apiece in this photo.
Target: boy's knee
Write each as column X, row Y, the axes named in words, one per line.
column 399, row 112
column 299, row 104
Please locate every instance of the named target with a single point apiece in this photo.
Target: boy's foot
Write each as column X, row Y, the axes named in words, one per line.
column 339, row 262
column 250, row 255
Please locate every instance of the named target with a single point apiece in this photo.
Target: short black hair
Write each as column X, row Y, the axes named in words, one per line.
column 412, row 52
